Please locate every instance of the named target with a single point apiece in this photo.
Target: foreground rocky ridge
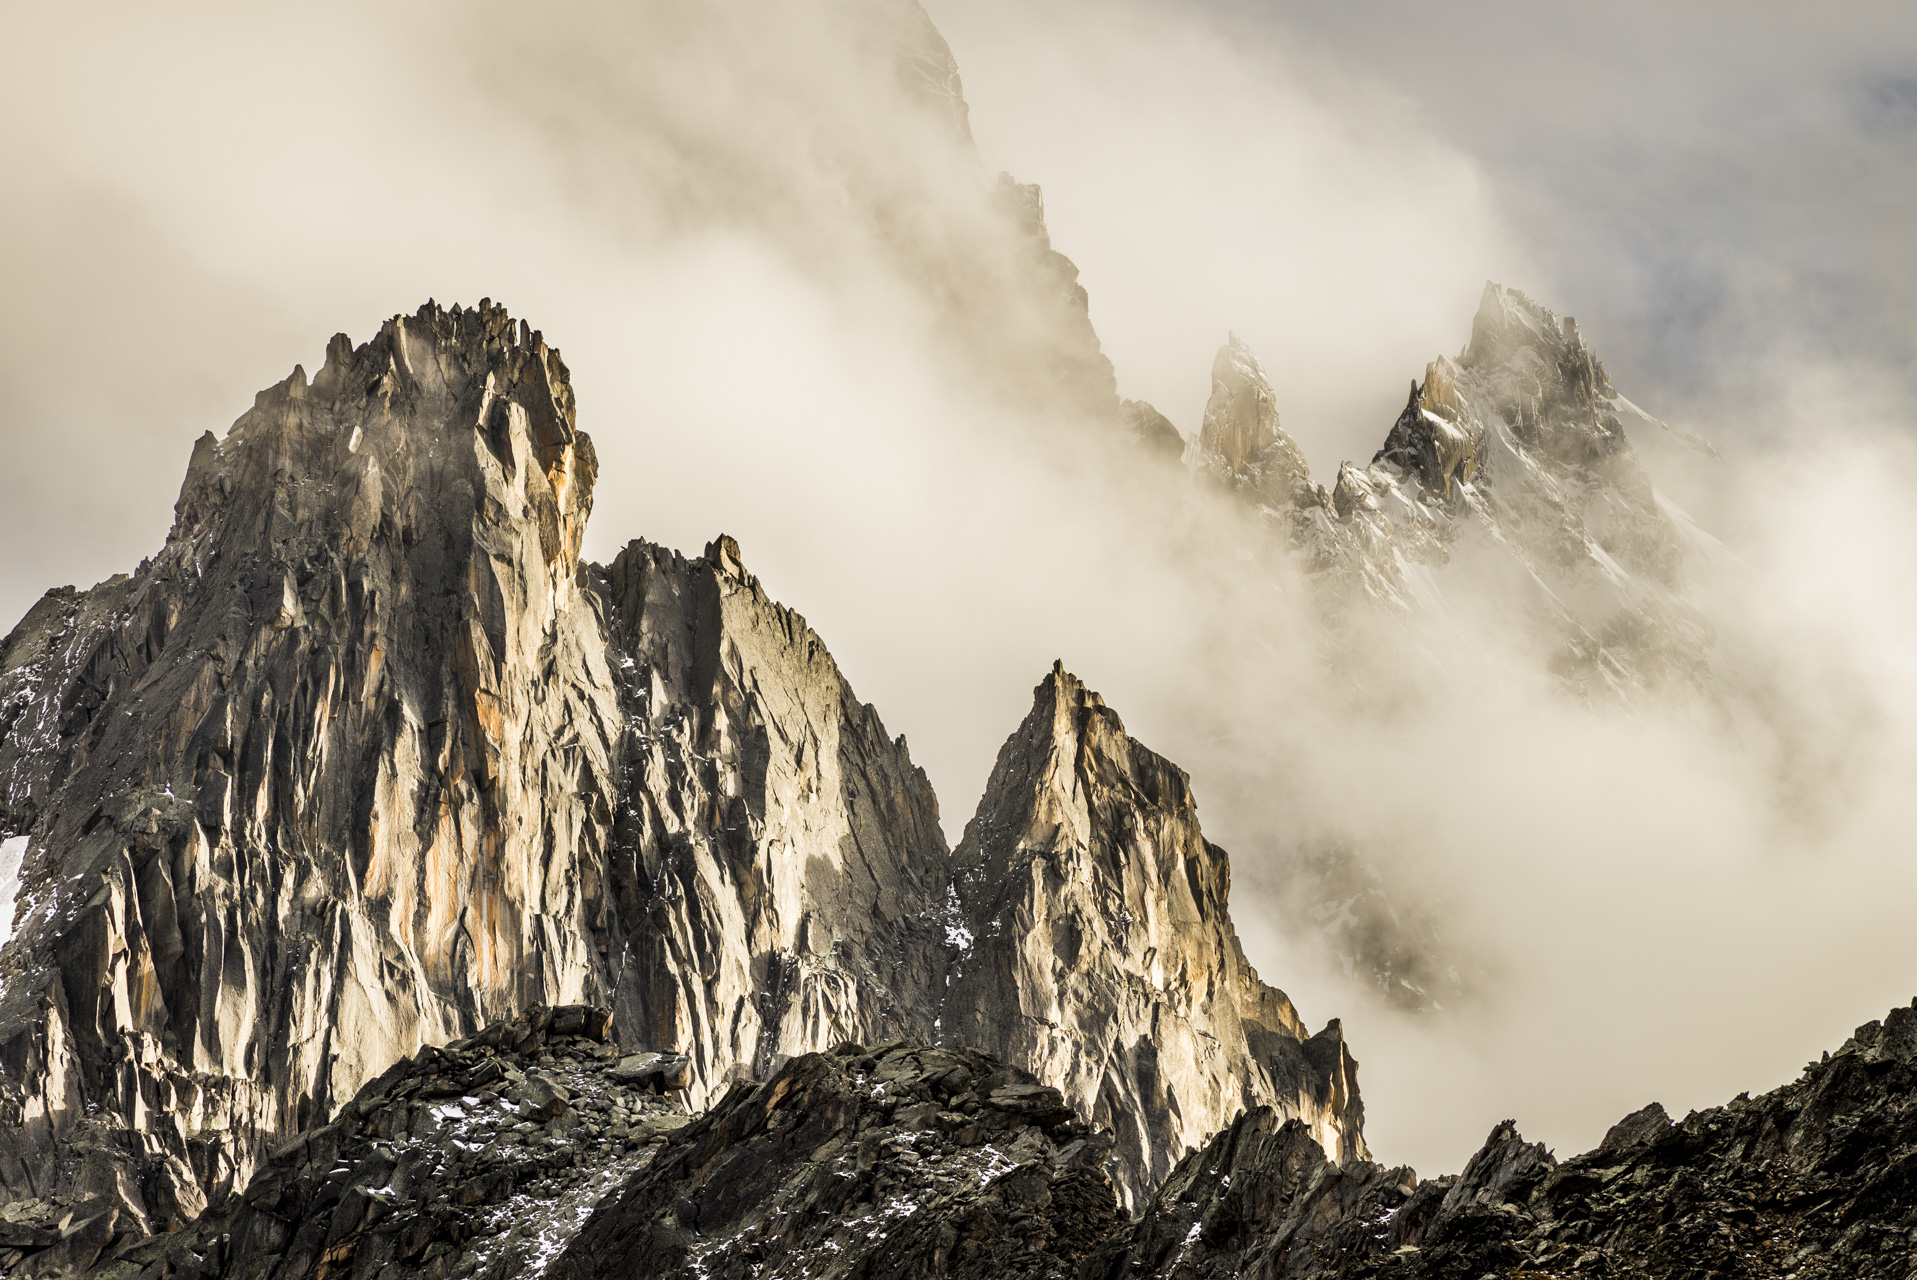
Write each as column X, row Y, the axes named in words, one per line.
column 912, row 1160
column 462, row 1160
column 896, row 1161
column 1816, row 1180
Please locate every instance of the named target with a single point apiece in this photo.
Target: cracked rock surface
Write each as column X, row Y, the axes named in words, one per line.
column 777, row 863
column 367, row 759
column 1098, row 950
column 329, row 778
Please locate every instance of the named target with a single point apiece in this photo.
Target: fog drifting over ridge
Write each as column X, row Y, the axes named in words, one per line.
column 682, row 205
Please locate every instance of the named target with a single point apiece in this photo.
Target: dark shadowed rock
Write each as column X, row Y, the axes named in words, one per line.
column 1816, row 1180
column 901, row 1161
column 909, row 1160
column 476, row 1159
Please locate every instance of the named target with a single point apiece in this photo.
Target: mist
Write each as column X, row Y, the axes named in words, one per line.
column 761, row 258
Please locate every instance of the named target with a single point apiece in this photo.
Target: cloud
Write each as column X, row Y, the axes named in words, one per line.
column 1204, row 184
column 1709, row 187
column 747, row 233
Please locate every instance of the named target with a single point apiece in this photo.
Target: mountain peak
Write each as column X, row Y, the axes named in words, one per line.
column 1100, row 950
column 1240, row 441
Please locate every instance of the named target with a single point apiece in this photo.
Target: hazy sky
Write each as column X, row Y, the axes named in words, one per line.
column 1708, row 186
column 1723, row 194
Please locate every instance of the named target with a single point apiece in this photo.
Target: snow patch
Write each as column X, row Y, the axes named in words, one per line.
column 13, row 850
column 957, row 935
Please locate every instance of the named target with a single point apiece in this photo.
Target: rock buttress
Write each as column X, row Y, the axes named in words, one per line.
column 779, row 863
column 1098, row 950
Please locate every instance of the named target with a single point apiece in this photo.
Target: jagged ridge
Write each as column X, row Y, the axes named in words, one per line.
column 1099, row 949
column 1816, row 1180
column 366, row 758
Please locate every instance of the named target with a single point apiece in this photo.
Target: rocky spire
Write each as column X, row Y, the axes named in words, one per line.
column 780, row 864
column 1240, row 442
column 1518, row 449
column 366, row 758
column 1098, row 949
column 329, row 777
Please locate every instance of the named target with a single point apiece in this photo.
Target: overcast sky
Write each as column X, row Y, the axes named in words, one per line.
column 1720, row 192
column 197, row 198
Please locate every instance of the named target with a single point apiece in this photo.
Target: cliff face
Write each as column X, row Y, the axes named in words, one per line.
column 329, row 777
column 1097, row 950
column 365, row 758
column 778, row 860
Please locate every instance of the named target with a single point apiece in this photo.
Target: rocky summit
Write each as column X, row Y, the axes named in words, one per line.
column 367, row 760
column 1096, row 948
column 1516, row 459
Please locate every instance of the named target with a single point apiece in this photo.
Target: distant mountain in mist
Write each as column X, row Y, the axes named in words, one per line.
column 397, row 893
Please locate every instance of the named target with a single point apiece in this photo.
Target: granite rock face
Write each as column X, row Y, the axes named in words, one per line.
column 464, row 1160
column 1096, row 949
column 329, row 778
column 1812, row 1180
column 778, row 866
column 896, row 1161
column 366, row 759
